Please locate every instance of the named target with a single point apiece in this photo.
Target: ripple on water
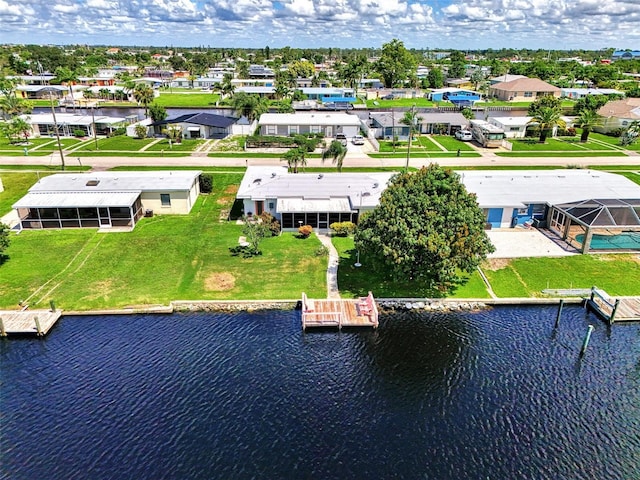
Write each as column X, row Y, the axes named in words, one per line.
column 492, row 394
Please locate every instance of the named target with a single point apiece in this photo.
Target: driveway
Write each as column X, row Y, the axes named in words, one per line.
column 520, row 242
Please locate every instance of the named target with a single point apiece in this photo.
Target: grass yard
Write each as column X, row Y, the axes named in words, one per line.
column 574, row 153
column 5, row 145
column 354, row 281
column 617, row 274
column 16, row 185
column 120, row 143
column 186, row 145
column 187, row 99
column 453, row 144
column 164, row 258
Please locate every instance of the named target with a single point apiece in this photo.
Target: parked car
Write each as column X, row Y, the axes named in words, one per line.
column 391, row 96
column 464, row 135
column 342, row 138
column 357, row 140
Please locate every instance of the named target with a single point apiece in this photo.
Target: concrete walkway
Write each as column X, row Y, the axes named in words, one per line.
column 332, row 269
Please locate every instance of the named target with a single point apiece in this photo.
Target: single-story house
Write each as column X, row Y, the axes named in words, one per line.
column 69, row 123
column 523, row 89
column 388, row 125
column 44, row 79
column 38, row 92
column 329, row 124
column 458, row 83
column 516, row 127
column 200, row 125
column 577, row 93
column 266, row 92
column 316, row 199
column 619, row 114
column 106, row 199
column 625, row 55
column 329, row 94
column 590, row 209
column 458, row 96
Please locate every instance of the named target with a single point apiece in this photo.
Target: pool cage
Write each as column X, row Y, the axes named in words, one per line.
column 598, row 225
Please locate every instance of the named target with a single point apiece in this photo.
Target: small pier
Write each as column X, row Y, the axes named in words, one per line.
column 623, row 309
column 27, row 322
column 361, row 312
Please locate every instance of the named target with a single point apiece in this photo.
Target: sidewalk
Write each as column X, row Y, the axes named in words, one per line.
column 332, row 269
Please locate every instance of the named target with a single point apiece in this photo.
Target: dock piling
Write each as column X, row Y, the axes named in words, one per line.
column 3, row 332
column 557, row 324
column 587, row 337
column 52, row 304
column 38, row 328
column 613, row 312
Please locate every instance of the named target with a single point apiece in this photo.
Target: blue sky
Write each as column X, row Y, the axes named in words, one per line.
column 460, row 24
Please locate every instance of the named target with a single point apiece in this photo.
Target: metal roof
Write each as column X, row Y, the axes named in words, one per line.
column 320, row 118
column 612, row 213
column 304, row 205
column 170, row 180
column 515, row 188
column 362, row 189
column 71, row 119
column 77, row 199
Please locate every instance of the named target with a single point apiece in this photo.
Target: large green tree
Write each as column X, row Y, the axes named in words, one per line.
column 587, row 120
column 435, row 78
column 143, row 94
column 396, row 63
column 157, row 112
column 427, row 228
column 249, row 105
column 546, row 101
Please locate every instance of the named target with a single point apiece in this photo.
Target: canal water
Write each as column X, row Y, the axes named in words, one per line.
column 496, row 394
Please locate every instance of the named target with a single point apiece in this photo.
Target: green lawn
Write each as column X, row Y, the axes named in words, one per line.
column 452, row 143
column 526, row 277
column 187, row 99
column 33, row 143
column 186, row 145
column 164, row 258
column 357, row 281
column 117, row 143
column 16, row 185
column 574, row 153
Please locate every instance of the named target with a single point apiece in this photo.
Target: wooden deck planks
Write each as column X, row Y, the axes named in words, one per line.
column 339, row 313
column 24, row 323
column 628, row 308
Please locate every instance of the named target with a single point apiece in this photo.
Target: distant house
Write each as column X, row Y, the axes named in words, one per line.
column 329, row 94
column 38, row 92
column 458, row 96
column 389, row 125
column 42, row 124
column 458, row 83
column 310, row 198
column 106, row 199
column 265, row 92
column 625, row 55
column 516, row 127
column 578, row 93
column 203, row 125
column 619, row 114
column 329, row 124
column 523, row 89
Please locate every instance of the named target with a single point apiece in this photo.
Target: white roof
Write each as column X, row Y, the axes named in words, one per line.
column 70, row 119
column 361, row 189
column 318, row 118
column 77, row 199
column 303, row 205
column 256, row 89
column 515, row 188
column 170, row 180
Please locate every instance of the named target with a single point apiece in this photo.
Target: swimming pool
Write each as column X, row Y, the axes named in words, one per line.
column 621, row 241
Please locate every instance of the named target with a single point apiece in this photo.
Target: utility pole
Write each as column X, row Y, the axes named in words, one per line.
column 411, row 124
column 55, row 127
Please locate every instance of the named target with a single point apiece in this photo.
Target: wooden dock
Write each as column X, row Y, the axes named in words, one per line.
column 361, row 312
column 623, row 309
column 27, row 322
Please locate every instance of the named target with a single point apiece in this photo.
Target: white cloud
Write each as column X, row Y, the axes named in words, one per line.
column 344, row 23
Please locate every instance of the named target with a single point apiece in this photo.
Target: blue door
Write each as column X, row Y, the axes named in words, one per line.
column 495, row 217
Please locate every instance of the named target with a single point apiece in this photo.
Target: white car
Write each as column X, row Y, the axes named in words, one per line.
column 464, row 135
column 357, row 140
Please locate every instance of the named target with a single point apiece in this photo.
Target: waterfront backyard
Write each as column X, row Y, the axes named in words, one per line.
column 187, row 258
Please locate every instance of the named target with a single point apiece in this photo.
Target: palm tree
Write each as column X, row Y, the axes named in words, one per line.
column 173, row 133
column 336, row 152
column 143, row 94
column 294, row 157
column 547, row 118
column 630, row 134
column 251, row 106
column 282, row 90
column 68, row 77
column 587, row 120
column 21, row 127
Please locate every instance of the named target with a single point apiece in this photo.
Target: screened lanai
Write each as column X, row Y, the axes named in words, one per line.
column 598, row 225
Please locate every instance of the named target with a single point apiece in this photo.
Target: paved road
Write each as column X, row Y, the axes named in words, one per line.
column 352, row 160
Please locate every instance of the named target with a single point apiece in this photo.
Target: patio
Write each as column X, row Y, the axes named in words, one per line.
column 521, row 242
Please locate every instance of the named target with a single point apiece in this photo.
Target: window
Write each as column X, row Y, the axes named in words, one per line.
column 523, row 211
column 528, row 94
column 271, row 129
column 165, row 199
column 315, row 129
column 293, row 130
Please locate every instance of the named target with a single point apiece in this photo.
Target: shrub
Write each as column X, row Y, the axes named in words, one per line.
column 304, row 231
column 271, row 222
column 118, row 131
column 322, row 251
column 141, row 131
column 79, row 133
column 206, row 183
column 342, row 229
